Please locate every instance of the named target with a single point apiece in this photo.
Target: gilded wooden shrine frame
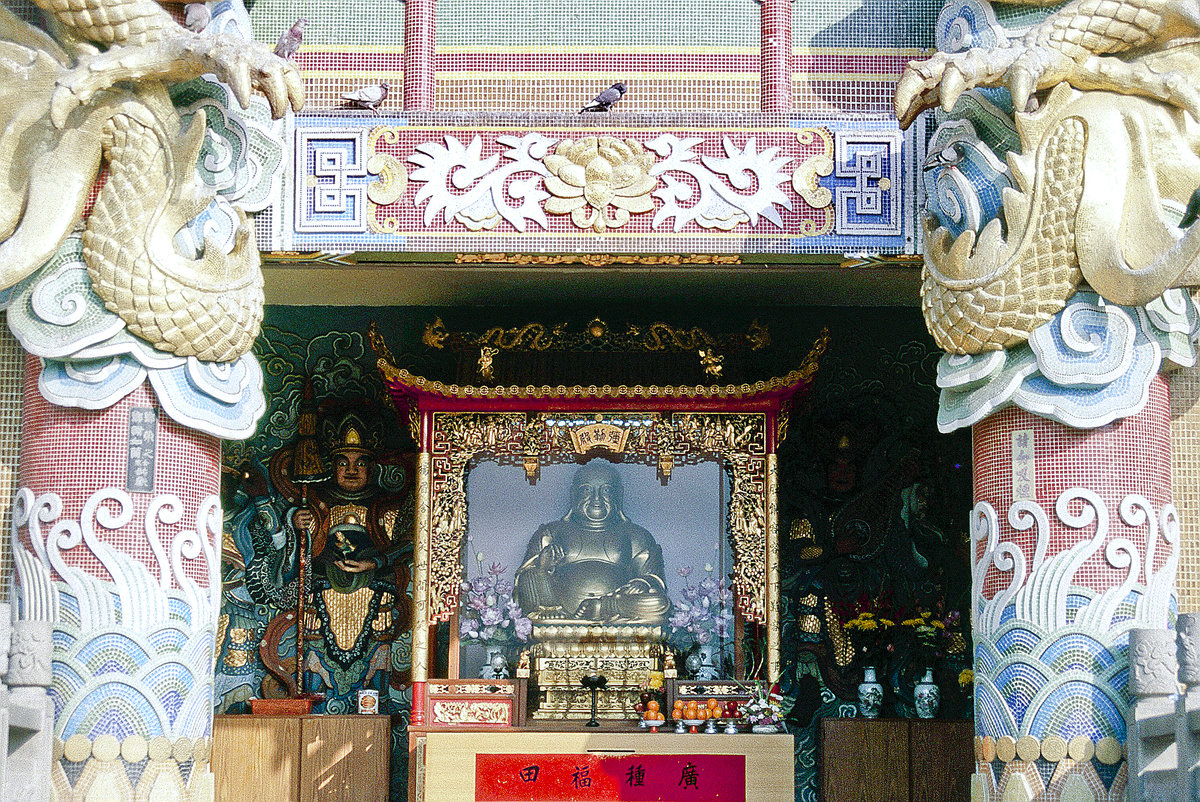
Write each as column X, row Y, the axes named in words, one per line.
column 738, row 426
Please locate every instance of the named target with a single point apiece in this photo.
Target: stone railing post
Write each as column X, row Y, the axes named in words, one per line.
column 1150, row 721
column 1187, row 635
column 29, row 711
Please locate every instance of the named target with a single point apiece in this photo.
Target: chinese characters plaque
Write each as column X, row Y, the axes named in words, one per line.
column 620, row 778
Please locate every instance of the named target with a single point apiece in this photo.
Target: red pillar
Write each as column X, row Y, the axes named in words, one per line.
column 418, row 54
column 775, row 53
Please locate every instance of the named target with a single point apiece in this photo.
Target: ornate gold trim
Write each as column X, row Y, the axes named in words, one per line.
column 738, row 440
column 421, row 535
column 597, row 259
column 421, row 384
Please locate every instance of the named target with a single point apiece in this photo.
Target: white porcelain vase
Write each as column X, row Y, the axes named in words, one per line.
column 870, row 694
column 926, row 696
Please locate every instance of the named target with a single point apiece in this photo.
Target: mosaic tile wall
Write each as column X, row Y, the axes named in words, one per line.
column 555, row 55
column 1185, row 441
column 10, row 440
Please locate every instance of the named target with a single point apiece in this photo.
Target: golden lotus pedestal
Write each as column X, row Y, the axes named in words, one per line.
column 562, row 654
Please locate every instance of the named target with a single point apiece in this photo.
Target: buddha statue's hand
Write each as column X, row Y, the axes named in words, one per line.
column 550, row 557
column 639, row 602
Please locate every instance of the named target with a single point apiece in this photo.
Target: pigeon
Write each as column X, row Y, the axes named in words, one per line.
column 1192, row 212
column 289, row 41
column 368, row 97
column 605, row 100
column 196, row 17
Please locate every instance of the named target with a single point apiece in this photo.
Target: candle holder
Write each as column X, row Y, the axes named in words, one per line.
column 593, row 682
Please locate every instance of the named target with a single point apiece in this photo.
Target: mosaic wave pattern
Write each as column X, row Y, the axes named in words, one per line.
column 1050, row 655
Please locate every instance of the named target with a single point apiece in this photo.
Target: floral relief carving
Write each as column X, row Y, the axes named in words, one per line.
column 589, row 176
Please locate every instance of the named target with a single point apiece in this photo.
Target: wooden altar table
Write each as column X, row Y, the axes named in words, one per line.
column 618, row 761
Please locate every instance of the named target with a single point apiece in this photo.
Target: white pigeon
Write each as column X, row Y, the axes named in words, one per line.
column 289, row 41
column 196, row 17
column 368, row 97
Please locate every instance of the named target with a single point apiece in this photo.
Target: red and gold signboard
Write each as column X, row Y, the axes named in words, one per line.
column 603, row 777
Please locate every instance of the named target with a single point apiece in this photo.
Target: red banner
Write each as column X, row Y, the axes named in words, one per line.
column 610, row 778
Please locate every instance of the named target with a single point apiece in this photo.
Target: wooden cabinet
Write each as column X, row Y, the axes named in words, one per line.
column 301, row 758
column 892, row 760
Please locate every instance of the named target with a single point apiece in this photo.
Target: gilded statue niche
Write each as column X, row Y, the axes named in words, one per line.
column 736, row 440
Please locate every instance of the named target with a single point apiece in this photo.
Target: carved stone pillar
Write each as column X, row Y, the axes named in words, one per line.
column 1075, row 544
column 119, row 520
column 1187, row 740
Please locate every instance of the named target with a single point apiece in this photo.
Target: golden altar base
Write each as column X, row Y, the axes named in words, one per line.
column 565, row 652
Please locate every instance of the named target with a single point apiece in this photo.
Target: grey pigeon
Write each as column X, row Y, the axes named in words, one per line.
column 605, row 100
column 196, row 17
column 368, row 97
column 289, row 41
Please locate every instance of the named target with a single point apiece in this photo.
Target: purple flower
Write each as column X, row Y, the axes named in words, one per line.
column 707, row 585
column 491, row 617
column 680, row 618
column 480, row 585
column 467, row 629
column 476, row 602
column 504, row 587
column 685, row 571
column 522, row 628
column 496, row 569
column 691, row 593
column 702, row 637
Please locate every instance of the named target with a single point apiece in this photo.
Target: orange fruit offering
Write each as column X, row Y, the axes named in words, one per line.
column 652, row 706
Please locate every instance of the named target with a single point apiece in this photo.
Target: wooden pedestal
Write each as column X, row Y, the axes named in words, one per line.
column 893, row 760
column 301, row 758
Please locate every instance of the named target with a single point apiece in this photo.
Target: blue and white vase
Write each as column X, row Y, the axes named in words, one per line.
column 926, row 696
column 870, row 694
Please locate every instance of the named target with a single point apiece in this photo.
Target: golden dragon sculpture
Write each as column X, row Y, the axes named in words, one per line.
column 1107, row 103
column 95, row 95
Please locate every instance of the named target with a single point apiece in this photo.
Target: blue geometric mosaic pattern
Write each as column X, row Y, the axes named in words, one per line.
column 1091, row 364
column 1069, row 684
column 133, row 655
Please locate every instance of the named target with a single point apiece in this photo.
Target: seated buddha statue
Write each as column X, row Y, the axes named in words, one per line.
column 594, row 566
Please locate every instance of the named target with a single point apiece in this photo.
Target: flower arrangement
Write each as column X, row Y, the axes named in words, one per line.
column 872, row 636
column 489, row 614
column 932, row 637
column 703, row 612
column 764, row 708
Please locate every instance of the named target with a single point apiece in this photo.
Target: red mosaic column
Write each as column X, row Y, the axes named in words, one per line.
column 418, row 54
column 121, row 519
column 1075, row 543
column 775, row 51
